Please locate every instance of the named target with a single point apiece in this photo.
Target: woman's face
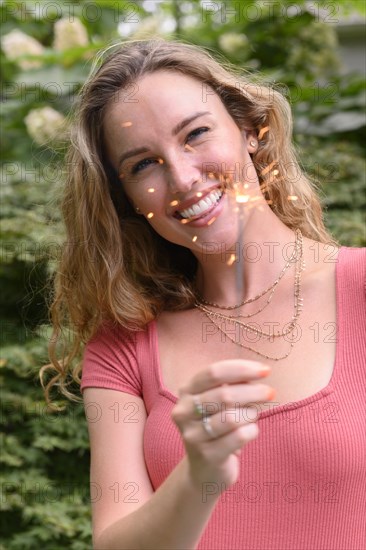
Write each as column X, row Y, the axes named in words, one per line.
column 173, row 143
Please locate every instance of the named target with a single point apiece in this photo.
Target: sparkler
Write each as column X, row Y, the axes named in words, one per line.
column 242, row 201
column 240, row 198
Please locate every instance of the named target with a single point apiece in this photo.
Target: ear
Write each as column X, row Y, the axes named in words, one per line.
column 251, row 139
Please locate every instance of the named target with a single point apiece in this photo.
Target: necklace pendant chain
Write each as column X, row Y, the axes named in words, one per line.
column 202, row 304
column 294, row 255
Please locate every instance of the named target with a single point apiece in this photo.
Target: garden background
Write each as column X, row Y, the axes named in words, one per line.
column 46, row 52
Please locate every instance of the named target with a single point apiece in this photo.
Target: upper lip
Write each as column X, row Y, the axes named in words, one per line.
column 183, row 205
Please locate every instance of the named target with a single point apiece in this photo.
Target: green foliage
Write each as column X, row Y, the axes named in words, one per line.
column 339, row 168
column 45, row 457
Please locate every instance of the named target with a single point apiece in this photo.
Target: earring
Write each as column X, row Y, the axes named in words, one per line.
column 253, row 143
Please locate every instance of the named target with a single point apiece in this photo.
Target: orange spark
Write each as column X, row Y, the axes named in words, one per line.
column 231, row 260
column 211, row 221
column 262, row 132
column 174, row 203
column 194, row 238
column 126, row 124
column 292, row 198
column 268, row 168
column 150, row 215
column 151, row 190
column 189, row 148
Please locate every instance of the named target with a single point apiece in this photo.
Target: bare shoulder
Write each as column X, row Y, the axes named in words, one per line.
column 168, row 320
column 320, row 259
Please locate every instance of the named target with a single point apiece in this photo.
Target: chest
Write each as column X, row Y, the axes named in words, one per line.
column 189, row 342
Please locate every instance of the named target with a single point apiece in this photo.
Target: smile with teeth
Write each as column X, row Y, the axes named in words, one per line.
column 203, row 205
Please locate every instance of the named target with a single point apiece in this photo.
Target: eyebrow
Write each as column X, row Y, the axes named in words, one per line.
column 178, row 128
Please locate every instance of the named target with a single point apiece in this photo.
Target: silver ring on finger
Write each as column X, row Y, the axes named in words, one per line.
column 206, row 423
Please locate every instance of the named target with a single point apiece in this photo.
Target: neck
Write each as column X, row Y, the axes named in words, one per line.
column 265, row 246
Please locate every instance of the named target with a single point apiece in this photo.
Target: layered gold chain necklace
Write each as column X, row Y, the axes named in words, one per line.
column 213, row 316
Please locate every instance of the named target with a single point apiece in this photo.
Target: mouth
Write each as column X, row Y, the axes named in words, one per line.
column 202, row 207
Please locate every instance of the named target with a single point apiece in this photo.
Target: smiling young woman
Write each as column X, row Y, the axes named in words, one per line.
column 206, row 267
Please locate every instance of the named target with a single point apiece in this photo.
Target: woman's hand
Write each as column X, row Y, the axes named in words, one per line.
column 225, row 396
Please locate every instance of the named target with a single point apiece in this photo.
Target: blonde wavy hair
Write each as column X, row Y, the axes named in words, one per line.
column 124, row 271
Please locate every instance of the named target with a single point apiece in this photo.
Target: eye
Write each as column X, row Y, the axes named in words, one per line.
column 146, row 162
column 141, row 165
column 197, row 132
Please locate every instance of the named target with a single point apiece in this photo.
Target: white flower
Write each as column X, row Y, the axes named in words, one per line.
column 45, row 124
column 16, row 43
column 69, row 34
column 231, row 42
column 151, row 26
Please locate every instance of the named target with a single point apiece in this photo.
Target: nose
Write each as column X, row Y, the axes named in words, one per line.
column 182, row 173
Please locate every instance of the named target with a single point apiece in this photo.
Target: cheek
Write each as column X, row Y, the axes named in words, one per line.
column 137, row 191
column 228, row 153
column 149, row 199
column 237, row 161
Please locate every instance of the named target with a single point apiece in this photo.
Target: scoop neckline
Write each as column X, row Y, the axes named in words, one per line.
column 277, row 409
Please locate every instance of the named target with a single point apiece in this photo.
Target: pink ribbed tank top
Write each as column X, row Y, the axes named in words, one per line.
column 302, row 483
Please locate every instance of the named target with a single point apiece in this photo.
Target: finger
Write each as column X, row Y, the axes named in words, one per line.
column 220, row 425
column 240, row 400
column 217, row 425
column 229, row 371
column 234, row 395
column 232, row 442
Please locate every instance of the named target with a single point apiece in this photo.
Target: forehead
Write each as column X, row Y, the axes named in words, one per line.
column 163, row 94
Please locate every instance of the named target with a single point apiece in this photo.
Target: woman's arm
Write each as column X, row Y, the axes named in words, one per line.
column 175, row 516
